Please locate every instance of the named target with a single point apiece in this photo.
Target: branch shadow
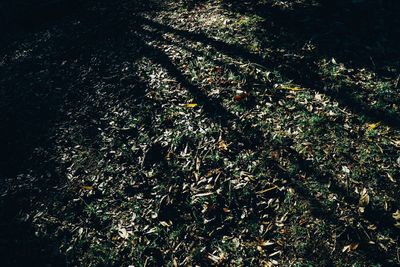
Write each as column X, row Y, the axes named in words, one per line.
column 340, row 30
column 30, row 112
column 212, row 107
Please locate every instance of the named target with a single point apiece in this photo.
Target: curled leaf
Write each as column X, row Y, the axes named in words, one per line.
column 265, row 243
column 123, row 233
column 226, row 210
column 364, row 198
column 350, row 248
column 396, row 215
column 222, row 146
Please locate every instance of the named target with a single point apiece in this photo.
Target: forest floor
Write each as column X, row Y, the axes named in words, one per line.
column 227, row 133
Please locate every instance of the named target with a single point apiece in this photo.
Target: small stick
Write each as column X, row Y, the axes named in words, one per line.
column 397, row 83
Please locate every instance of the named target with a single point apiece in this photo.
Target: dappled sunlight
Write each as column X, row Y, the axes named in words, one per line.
column 220, row 133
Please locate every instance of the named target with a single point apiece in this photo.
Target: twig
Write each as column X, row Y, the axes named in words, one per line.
column 397, row 83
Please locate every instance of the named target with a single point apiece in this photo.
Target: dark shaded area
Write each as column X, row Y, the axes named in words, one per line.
column 27, row 15
column 50, row 64
column 353, row 32
column 360, row 34
column 18, row 244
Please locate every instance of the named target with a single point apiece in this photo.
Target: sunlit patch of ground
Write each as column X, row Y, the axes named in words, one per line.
column 218, row 135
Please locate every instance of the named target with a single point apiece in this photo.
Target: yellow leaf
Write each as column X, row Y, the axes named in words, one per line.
column 87, row 187
column 222, row 145
column 169, row 155
column 266, row 190
column 373, row 126
column 290, row 88
column 191, row 105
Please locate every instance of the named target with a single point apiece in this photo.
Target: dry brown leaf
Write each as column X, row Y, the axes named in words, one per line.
column 396, row 215
column 396, row 143
column 165, row 224
column 364, row 198
column 265, row 243
column 203, row 194
column 123, row 233
column 267, row 190
column 175, row 262
column 240, row 97
column 350, row 248
column 391, row 178
column 222, row 146
column 226, row 210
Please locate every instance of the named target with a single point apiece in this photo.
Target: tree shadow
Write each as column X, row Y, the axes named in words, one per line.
column 245, row 130
column 18, row 243
column 53, row 65
column 361, row 35
column 37, row 102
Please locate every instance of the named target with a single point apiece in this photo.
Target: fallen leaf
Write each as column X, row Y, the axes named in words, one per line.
column 391, row 178
column 240, row 97
column 290, row 88
column 275, row 253
column 265, row 243
column 165, row 224
column 345, row 169
column 226, row 210
column 87, row 187
column 175, row 262
column 191, row 105
column 396, row 215
column 266, row 190
column 364, row 198
column 396, row 143
column 373, row 126
column 123, row 233
column 350, row 248
column 222, row 145
column 202, row 194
